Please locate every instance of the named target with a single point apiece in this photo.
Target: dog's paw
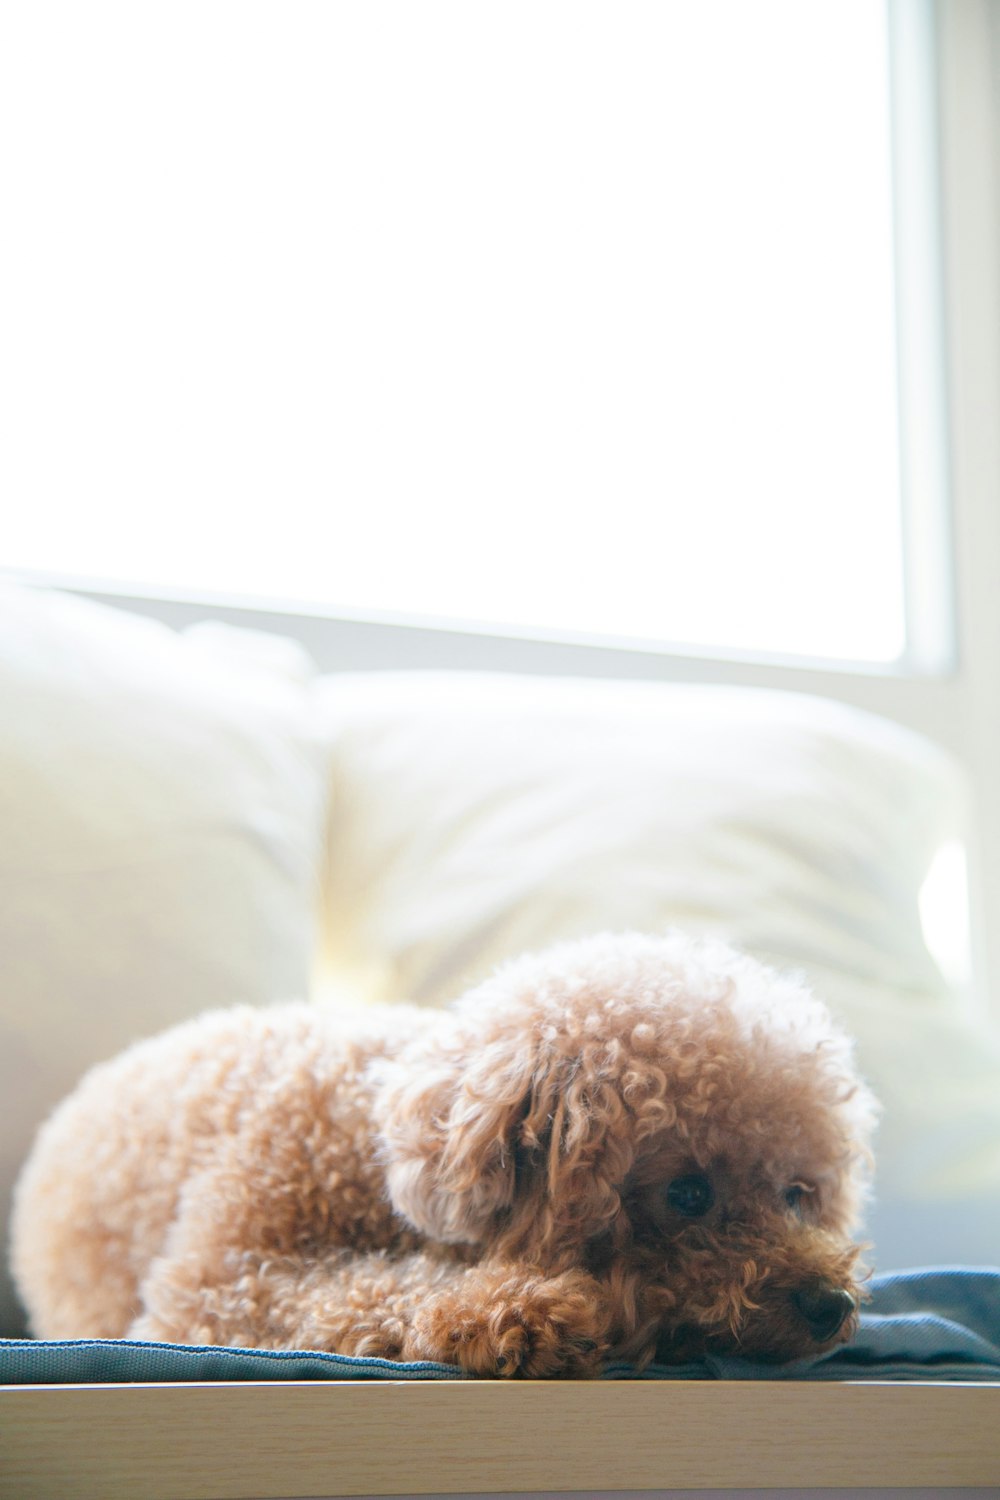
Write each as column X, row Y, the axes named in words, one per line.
column 521, row 1326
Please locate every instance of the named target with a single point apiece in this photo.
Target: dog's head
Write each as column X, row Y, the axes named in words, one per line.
column 670, row 1115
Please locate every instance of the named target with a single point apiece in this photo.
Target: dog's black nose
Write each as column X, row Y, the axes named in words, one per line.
column 824, row 1307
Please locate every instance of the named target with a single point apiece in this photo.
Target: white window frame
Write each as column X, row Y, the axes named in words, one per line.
column 946, row 81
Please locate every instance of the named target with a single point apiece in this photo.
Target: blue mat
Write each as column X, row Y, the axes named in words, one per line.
column 936, row 1324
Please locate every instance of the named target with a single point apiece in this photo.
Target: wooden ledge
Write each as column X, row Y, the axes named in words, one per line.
column 289, row 1439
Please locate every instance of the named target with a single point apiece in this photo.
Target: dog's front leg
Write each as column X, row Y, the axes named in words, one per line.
column 489, row 1320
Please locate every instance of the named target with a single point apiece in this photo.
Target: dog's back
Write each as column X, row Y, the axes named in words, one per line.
column 97, row 1197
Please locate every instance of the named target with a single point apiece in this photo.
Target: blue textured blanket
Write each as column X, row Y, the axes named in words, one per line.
column 938, row 1324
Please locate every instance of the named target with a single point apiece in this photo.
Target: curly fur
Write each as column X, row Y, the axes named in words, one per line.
column 487, row 1185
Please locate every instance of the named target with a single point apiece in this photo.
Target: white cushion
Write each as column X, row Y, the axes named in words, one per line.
column 161, row 808
column 478, row 816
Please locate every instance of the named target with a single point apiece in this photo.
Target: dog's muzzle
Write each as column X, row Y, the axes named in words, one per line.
column 824, row 1307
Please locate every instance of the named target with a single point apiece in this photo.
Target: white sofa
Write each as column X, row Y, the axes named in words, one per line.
column 196, row 819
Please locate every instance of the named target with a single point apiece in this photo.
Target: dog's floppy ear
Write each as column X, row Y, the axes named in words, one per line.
column 448, row 1124
column 484, row 1125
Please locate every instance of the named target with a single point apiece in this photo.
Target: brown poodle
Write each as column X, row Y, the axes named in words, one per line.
column 625, row 1147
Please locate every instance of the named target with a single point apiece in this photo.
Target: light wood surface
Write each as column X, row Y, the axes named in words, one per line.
column 233, row 1441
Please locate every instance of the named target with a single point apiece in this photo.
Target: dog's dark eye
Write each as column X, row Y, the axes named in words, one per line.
column 794, row 1197
column 690, row 1196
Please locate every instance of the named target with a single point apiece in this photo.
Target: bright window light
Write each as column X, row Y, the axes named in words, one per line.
column 944, row 914
column 541, row 315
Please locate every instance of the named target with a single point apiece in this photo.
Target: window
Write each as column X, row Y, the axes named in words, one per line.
column 550, row 316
